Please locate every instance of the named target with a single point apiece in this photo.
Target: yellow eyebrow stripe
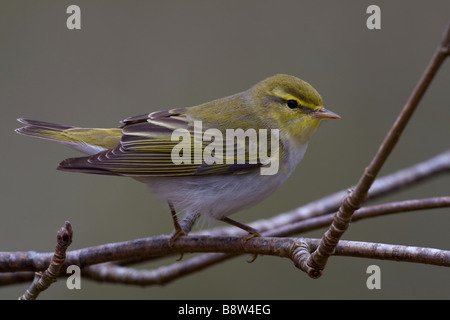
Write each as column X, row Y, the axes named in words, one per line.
column 286, row 96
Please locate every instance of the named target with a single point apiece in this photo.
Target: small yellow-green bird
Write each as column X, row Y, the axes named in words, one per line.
column 190, row 156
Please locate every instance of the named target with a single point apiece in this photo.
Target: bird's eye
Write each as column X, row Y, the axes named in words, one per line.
column 292, row 104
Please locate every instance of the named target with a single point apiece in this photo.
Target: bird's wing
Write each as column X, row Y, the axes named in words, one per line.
column 147, row 148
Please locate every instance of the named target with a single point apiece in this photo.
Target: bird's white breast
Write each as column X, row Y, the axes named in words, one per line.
column 217, row 196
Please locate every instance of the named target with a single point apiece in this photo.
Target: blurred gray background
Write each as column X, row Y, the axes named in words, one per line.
column 134, row 57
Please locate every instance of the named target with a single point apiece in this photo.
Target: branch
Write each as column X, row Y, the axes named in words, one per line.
column 295, row 249
column 43, row 280
column 117, row 274
column 92, row 259
column 356, row 198
column 364, row 213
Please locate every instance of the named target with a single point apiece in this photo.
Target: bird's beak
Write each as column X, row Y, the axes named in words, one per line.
column 323, row 113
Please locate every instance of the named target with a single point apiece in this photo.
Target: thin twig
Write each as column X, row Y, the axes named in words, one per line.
column 16, row 277
column 355, row 199
column 363, row 213
column 43, row 280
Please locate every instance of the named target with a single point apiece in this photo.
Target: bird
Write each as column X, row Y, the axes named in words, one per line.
column 188, row 157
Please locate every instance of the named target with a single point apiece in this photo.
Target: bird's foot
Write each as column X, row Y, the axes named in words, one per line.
column 251, row 234
column 175, row 235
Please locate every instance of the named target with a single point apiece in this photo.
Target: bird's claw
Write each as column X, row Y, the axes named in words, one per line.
column 175, row 235
column 250, row 235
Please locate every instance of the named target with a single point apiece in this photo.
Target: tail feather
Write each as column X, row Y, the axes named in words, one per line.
column 43, row 124
column 86, row 140
column 44, row 130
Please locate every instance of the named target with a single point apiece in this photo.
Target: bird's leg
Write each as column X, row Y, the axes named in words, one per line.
column 252, row 233
column 188, row 221
column 178, row 230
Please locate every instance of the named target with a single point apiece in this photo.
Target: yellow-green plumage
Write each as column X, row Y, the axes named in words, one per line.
column 141, row 147
column 98, row 137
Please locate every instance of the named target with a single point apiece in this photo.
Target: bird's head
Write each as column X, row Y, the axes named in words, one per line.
column 292, row 104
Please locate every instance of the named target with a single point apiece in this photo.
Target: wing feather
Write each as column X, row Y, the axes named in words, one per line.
column 145, row 149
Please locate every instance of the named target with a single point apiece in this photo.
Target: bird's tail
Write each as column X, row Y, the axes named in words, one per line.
column 86, row 140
